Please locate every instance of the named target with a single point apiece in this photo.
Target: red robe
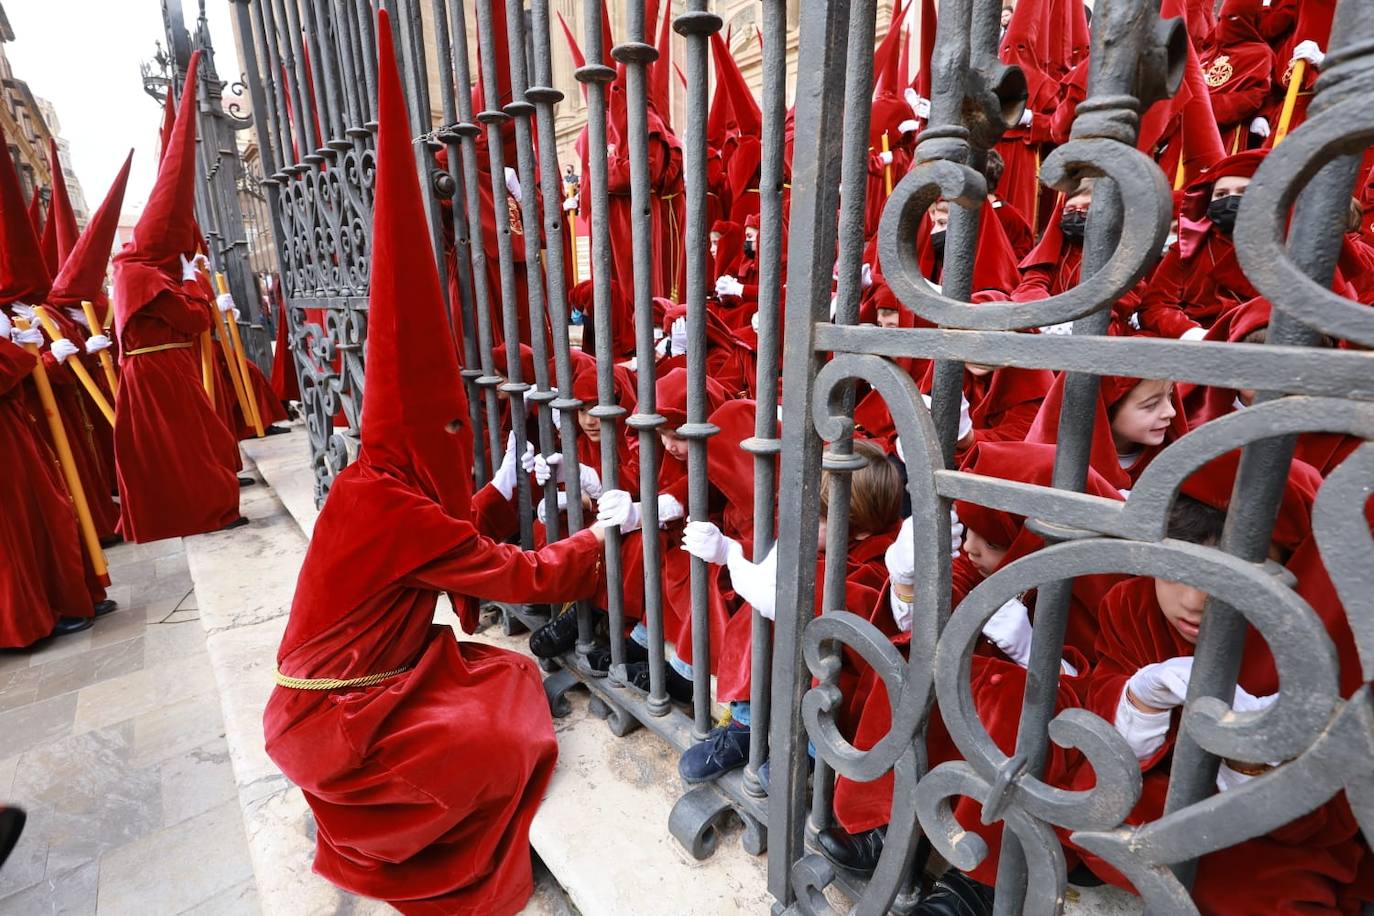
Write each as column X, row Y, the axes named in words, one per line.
column 175, row 458
column 410, row 805
column 1303, row 867
column 1238, row 73
column 42, row 577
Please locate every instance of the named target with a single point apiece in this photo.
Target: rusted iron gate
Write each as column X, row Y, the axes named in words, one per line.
column 312, row 76
column 219, row 175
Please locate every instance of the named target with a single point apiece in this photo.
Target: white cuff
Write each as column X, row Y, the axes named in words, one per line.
column 1143, row 731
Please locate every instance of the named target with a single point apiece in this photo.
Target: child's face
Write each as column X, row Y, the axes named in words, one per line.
column 888, row 318
column 674, row 446
column 1144, row 415
column 591, row 426
column 1182, row 606
column 984, row 555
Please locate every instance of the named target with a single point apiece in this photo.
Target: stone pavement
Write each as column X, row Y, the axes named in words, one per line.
column 112, row 739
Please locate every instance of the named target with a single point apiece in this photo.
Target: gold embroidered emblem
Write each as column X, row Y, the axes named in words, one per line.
column 1219, row 74
column 1288, row 73
column 517, row 226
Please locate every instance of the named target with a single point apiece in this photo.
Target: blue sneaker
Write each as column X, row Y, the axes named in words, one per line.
column 726, row 748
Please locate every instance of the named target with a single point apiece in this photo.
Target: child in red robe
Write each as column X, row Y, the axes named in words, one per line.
column 1144, row 651
column 423, row 758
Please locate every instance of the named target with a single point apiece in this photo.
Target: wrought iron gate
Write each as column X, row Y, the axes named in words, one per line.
column 312, row 77
column 220, row 175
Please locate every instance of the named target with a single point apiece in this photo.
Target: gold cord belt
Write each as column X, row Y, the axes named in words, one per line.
column 184, row 345
column 335, row 683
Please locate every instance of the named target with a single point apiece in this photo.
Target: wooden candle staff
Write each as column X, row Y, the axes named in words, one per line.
column 250, row 395
column 55, row 334
column 66, row 460
column 106, row 362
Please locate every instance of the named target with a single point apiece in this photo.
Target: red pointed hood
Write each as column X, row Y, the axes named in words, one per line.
column 49, row 243
column 36, row 213
column 166, row 230
column 83, row 272
column 928, row 24
column 743, row 107
column 886, row 68
column 24, row 276
column 413, row 385
column 661, row 70
column 61, row 213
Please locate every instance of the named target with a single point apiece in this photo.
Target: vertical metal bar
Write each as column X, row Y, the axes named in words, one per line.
column 349, row 52
column 635, row 54
column 294, row 60
column 697, row 25
column 595, row 75
column 515, row 386
column 765, row 445
column 467, row 138
column 545, row 96
column 327, row 41
column 858, row 96
column 318, row 87
column 461, row 242
column 522, row 111
column 815, row 192
column 274, row 137
column 368, row 38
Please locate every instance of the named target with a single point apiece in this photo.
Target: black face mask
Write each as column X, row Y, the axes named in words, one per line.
column 1073, row 223
column 937, row 244
column 1222, row 212
column 748, row 248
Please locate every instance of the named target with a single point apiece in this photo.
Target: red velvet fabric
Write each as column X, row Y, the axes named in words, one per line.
column 43, row 575
column 388, row 769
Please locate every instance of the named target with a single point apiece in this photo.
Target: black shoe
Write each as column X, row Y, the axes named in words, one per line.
column 274, row 430
column 854, row 851
column 111, row 541
column 247, row 482
column 726, row 748
column 956, row 894
column 556, row 637
column 108, row 606
column 679, row 689
column 599, row 659
column 11, row 825
column 67, row 625
column 236, row 523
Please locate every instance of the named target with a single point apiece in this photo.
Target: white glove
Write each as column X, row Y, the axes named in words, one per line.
column 542, row 512
column 225, row 301
column 27, row 336
column 965, row 421
column 1198, row 333
column 62, row 348
column 901, row 557
column 704, row 541
column 505, row 477
column 1063, row 328
column 616, row 508
column 200, row 261
column 529, row 461
column 6, row 327
column 909, row 126
column 885, row 157
column 1162, row 685
column 1010, row 630
column 756, row 583
column 79, row 317
column 188, row 270
column 513, row 183
column 26, row 312
column 1143, row 731
column 97, row 342
column 669, row 510
column 911, row 96
column 544, row 468
column 1026, row 117
column 956, row 533
column 1309, row 51
column 677, row 336
column 1228, row 778
column 1260, row 126
column 590, row 480
column 902, row 611
column 866, row 276
column 727, row 285
column 570, row 204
